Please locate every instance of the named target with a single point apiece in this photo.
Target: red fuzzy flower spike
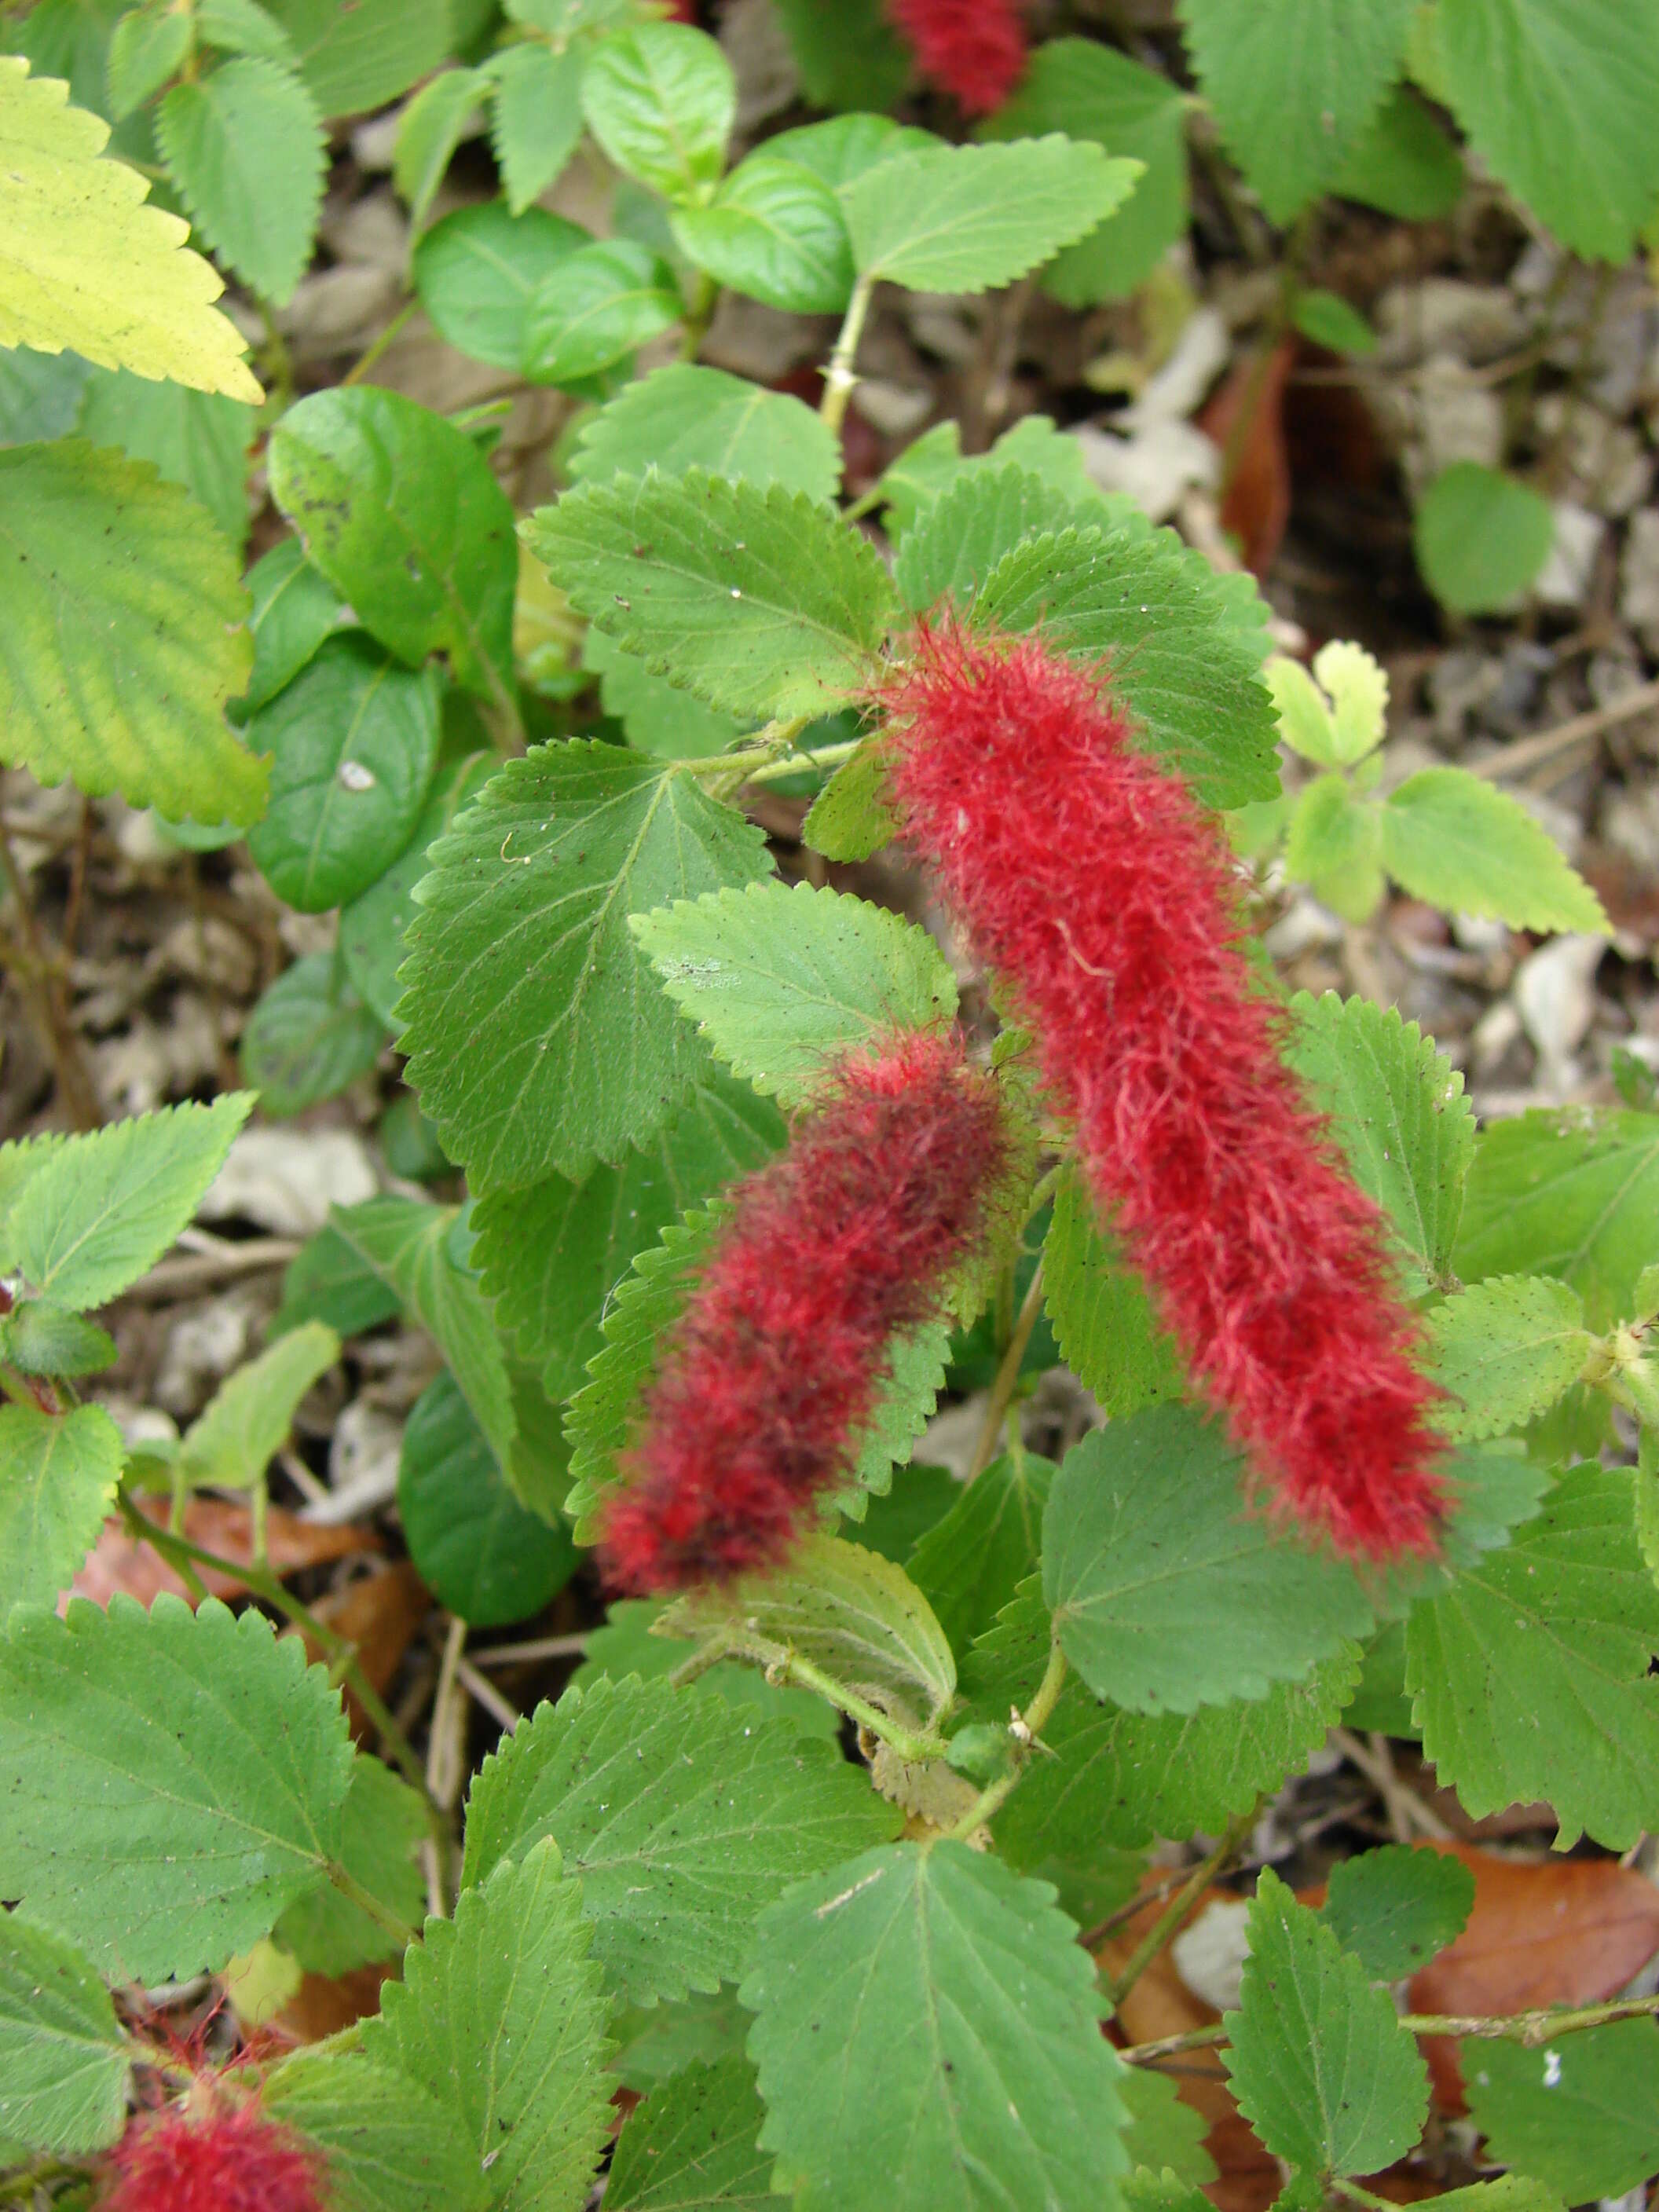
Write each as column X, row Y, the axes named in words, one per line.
column 975, row 49
column 1090, row 878
column 228, row 2159
column 773, row 1370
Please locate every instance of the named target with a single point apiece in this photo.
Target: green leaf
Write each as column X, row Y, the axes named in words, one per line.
column 145, row 48
column 1294, row 83
column 1166, row 1594
column 477, row 1549
column 362, row 56
column 1397, row 1109
column 850, row 820
column 1090, row 91
column 1334, row 843
column 1480, row 537
column 58, row 1478
column 64, row 2057
column 1558, row 97
column 852, row 58
column 242, row 26
column 373, row 926
column 1572, row 1194
column 500, row 2016
column 1340, row 714
column 99, row 1211
column 354, row 739
column 39, row 1337
column 684, row 416
column 389, row 2144
column 124, row 633
column 295, row 609
column 627, row 1644
column 756, row 600
column 1530, row 1672
column 431, row 127
column 400, row 512
column 1328, row 319
column 969, row 218
column 896, row 1965
column 1581, row 2113
column 385, row 1821
column 244, row 145
column 40, row 394
column 1183, row 646
column 1103, row 1317
column 1394, row 1908
column 957, row 541
column 478, row 270
column 551, row 1255
column 853, row 1614
column 328, row 1281
column 657, row 719
column 773, row 232
column 594, row 309
column 659, row 2041
column 782, row 980
column 309, row 1037
column 1405, row 164
column 536, row 1034
column 971, row 1561
column 684, row 1816
column 247, row 1421
column 690, row 2147
column 1464, row 846
column 137, row 301
column 537, row 117
column 1321, row 2066
column 1508, row 1348
column 662, row 101
column 1164, row 2134
column 197, row 438
column 175, row 1780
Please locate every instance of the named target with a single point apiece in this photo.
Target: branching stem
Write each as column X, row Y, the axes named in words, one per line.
column 1026, row 1727
column 1529, row 2028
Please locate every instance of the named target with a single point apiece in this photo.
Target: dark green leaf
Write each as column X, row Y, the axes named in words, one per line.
column 309, row 1037
column 970, row 1563
column 1102, row 1318
column 1394, row 1908
column 197, row 438
column 372, row 926
column 690, row 2147
column 363, row 56
column 295, row 609
column 1481, row 536
column 385, row 1822
column 1405, row 164
column 1581, row 2113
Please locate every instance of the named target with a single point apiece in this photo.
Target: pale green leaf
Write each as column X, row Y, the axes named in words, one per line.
column 684, row 1815
column 242, row 26
column 308, row 1037
column 1394, row 1908
column 1530, row 1674
column 1397, row 1109
column 390, row 2145
column 39, row 1337
column 971, row 1561
column 500, row 2017
column 1294, row 83
column 850, row 1612
column 123, row 635
column 1103, row 1320
column 1334, row 843
column 1164, row 2134
column 783, row 982
column 685, row 417
column 1303, row 712
column 1481, row 536
column 431, row 127
column 247, row 1422
column 1462, row 845
column 1328, row 319
column 146, row 47
column 536, row 1034
column 662, row 101
column 659, row 2041
column 88, row 266
column 1357, row 689
column 362, row 56
column 537, row 117
column 969, row 218
column 58, row 1478
column 657, row 718
column 850, row 818
column 244, row 145
column 928, row 2039
column 1557, row 98
column 1321, row 2066
column 756, row 600
column 175, row 1779
column 773, row 232
column 690, row 2147
column 384, row 1823
column 1580, row 2113
column 1183, row 647
column 100, row 1210
column 1507, row 1349
column 63, row 2058
column 197, row 438
column 1405, row 164
column 1166, row 1594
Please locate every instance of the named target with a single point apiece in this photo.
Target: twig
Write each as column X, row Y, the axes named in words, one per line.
column 1528, row 2028
column 1405, row 1808
column 1024, row 1731
column 1007, row 1375
column 1169, row 1921
column 197, row 1269
column 1530, row 751
column 539, row 1647
column 39, row 972
column 499, row 1708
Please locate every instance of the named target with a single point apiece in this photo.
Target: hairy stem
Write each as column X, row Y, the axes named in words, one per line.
column 838, row 380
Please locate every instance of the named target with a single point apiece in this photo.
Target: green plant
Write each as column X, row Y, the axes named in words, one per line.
column 806, row 1858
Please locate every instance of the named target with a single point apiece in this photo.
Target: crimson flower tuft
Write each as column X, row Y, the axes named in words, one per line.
column 227, row 2157
column 1088, row 876
column 975, row 49
column 772, row 1372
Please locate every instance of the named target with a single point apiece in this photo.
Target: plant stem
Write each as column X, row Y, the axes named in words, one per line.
column 373, row 351
column 1530, row 2028
column 38, row 971
column 699, row 315
column 783, row 1666
column 839, row 380
column 1169, row 1921
column 1355, row 2195
column 796, row 762
column 366, row 1901
column 1007, row 1376
column 180, row 1552
column 1024, row 1728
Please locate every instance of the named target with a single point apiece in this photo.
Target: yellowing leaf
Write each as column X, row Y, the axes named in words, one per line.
column 85, row 263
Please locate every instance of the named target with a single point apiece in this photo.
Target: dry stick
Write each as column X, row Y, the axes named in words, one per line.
column 478, row 1687
column 540, row 1647
column 1530, row 751
column 1528, row 2028
column 1405, row 1808
column 1007, row 1376
column 37, row 970
column 1169, row 1921
column 197, row 1269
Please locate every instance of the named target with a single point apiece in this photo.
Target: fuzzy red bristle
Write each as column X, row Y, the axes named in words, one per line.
column 231, row 2159
column 1088, row 877
column 773, row 1370
column 973, row 49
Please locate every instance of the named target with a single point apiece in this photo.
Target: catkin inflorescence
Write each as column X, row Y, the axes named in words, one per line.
column 229, row 2159
column 1090, row 879
column 769, row 1378
column 973, row 49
